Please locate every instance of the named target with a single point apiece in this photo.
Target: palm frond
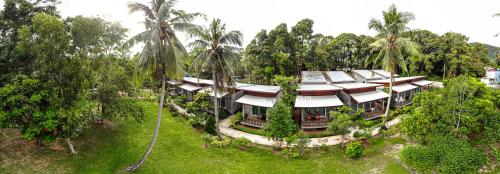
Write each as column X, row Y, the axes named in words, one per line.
column 141, row 37
column 232, row 38
column 135, row 7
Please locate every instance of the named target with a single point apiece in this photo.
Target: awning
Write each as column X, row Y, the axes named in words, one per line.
column 317, row 101
column 422, row 82
column 219, row 94
column 267, row 102
column 189, row 87
column 403, row 88
column 369, row 96
column 318, row 87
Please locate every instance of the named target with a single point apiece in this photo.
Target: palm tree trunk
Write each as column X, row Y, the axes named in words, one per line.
column 157, row 128
column 216, row 107
column 390, row 97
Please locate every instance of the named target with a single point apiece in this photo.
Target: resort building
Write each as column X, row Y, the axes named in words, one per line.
column 313, row 77
column 255, row 102
column 336, row 77
column 403, row 89
column 173, row 88
column 423, row 85
column 364, row 76
column 192, row 85
column 364, row 96
column 227, row 99
column 314, row 103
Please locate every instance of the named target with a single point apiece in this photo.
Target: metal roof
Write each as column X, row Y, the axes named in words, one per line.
column 384, row 73
column 189, row 87
column 198, row 81
column 313, row 77
column 317, row 101
column 339, row 77
column 318, row 87
column 356, row 85
column 261, row 88
column 422, row 82
column 367, row 74
column 267, row 102
column 403, row 87
column 398, row 79
column 369, row 96
column 211, row 93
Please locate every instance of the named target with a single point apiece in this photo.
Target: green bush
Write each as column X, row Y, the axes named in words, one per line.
column 446, row 155
column 241, row 142
column 237, row 118
column 354, row 149
column 223, row 143
column 362, row 134
column 210, row 125
column 180, row 100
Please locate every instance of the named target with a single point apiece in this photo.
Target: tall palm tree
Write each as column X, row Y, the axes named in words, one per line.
column 391, row 47
column 220, row 51
column 162, row 51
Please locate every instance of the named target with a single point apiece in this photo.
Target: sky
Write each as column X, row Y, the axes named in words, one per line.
column 472, row 18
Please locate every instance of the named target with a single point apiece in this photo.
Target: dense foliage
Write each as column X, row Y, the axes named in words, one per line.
column 456, row 125
column 444, row 154
column 284, row 52
column 465, row 108
column 58, row 76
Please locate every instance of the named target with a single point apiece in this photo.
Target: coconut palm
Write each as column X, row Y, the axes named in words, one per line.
column 220, row 51
column 162, row 49
column 391, row 47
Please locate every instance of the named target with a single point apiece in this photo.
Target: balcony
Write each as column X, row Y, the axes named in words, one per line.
column 254, row 121
column 312, row 123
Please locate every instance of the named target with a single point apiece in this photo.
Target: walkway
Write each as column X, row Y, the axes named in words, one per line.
column 225, row 128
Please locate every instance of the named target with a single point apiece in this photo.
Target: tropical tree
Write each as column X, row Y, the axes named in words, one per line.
column 162, row 51
column 220, row 50
column 391, row 47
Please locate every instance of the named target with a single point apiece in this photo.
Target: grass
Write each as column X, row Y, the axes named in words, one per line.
column 179, row 149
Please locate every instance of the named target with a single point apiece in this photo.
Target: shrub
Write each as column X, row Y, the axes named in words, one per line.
column 207, row 138
column 362, row 134
column 237, row 118
column 446, row 155
column 180, row 100
column 241, row 142
column 302, row 145
column 210, row 125
column 354, row 149
column 223, row 143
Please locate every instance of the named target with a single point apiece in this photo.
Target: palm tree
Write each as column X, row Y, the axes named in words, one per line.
column 390, row 45
column 162, row 49
column 220, row 51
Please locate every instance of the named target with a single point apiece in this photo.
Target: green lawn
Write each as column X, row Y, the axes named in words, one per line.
column 179, row 150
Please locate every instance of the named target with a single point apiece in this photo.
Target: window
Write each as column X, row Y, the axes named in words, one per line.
column 256, row 110
column 314, row 112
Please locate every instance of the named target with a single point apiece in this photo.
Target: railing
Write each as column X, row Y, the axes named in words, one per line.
column 254, row 122
column 402, row 103
column 369, row 115
column 313, row 124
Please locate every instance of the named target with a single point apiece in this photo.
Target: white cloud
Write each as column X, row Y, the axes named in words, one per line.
column 470, row 17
